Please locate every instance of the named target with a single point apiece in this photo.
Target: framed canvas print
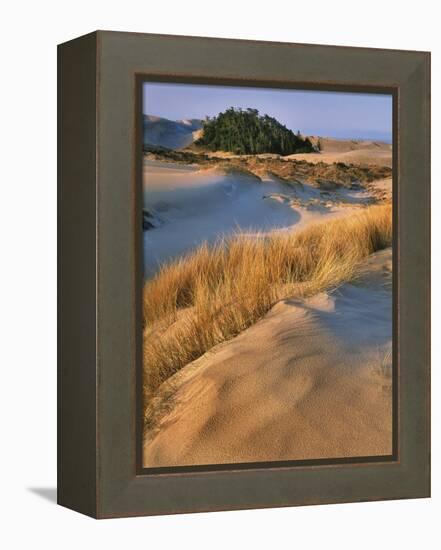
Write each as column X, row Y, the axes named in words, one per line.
column 244, row 258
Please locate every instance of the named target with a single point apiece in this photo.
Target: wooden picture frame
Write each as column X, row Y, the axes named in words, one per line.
column 100, row 280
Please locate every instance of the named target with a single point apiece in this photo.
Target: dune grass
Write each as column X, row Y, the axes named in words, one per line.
column 214, row 293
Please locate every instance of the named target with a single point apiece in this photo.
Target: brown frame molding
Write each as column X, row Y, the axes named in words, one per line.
column 100, row 273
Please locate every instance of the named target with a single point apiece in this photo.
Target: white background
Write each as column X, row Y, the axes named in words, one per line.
column 29, row 33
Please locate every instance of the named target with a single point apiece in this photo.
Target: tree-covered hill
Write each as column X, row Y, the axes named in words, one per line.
column 246, row 132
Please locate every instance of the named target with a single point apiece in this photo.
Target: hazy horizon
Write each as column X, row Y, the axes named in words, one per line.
column 341, row 115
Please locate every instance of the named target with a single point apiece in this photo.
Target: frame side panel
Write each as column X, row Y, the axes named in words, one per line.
column 414, row 275
column 77, row 274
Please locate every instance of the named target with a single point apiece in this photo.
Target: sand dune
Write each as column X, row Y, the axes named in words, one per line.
column 349, row 151
column 319, row 369
column 334, row 145
column 192, row 206
column 360, row 156
column 198, row 206
column 381, row 189
column 335, row 150
column 169, row 133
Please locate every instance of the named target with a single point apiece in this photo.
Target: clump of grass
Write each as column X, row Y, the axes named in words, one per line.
column 214, row 293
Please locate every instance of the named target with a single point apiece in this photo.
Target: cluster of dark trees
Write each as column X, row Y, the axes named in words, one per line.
column 246, row 132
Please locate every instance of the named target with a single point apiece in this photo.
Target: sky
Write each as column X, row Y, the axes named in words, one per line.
column 328, row 114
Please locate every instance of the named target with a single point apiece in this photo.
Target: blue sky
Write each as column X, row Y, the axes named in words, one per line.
column 332, row 114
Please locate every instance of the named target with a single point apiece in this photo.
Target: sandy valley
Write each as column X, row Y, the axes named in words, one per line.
column 190, row 203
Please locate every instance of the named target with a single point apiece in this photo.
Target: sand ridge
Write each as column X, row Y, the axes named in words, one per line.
column 312, row 379
column 336, row 150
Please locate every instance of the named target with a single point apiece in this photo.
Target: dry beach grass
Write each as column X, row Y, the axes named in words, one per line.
column 214, row 293
column 311, row 379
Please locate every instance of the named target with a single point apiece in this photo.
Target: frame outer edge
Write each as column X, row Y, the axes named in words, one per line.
column 77, row 374
column 416, row 278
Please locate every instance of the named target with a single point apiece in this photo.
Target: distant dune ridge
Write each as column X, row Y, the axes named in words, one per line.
column 173, row 134
column 180, row 134
column 356, row 151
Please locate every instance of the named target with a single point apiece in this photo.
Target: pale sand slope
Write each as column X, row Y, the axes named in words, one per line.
column 337, row 150
column 382, row 189
column 360, row 156
column 350, row 152
column 334, row 145
column 312, row 379
column 190, row 206
column 193, row 206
